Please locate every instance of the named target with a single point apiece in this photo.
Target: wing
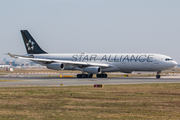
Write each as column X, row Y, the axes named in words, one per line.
column 46, row 61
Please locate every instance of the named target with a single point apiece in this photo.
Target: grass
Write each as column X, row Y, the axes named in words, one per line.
column 135, row 101
column 10, row 80
column 27, row 70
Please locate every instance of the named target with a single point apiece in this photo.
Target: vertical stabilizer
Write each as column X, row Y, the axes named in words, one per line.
column 31, row 46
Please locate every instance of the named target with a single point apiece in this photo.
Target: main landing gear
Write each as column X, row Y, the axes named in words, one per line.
column 91, row 75
column 101, row 75
column 158, row 75
column 84, row 75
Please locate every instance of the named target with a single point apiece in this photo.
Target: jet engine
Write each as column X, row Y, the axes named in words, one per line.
column 56, row 66
column 93, row 70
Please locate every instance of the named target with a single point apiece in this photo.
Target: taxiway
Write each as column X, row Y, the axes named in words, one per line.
column 57, row 81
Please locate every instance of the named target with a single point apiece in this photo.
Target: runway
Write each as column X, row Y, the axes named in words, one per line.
column 56, row 81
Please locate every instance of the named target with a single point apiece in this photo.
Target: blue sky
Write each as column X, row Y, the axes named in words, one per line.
column 105, row 26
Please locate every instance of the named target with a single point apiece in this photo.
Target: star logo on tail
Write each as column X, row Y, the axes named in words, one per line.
column 30, row 45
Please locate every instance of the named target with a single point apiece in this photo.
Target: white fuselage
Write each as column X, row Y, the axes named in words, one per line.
column 124, row 62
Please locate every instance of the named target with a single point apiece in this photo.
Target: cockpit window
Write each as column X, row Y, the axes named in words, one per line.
column 168, row 59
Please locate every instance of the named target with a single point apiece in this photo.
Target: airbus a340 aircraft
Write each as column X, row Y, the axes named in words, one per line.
column 95, row 63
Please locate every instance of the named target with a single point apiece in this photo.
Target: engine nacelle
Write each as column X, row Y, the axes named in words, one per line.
column 93, row 70
column 56, row 66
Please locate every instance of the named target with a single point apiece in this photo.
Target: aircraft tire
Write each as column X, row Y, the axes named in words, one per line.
column 101, row 75
column 105, row 75
column 158, row 76
column 78, row 75
column 85, row 75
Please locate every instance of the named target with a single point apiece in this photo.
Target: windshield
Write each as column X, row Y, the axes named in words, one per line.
column 168, row 59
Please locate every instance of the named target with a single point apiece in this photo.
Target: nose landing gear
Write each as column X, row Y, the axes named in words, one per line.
column 158, row 75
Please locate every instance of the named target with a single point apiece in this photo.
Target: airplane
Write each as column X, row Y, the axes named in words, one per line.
column 5, row 66
column 95, row 63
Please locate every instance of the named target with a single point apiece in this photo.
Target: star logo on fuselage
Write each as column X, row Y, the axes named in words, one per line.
column 30, row 45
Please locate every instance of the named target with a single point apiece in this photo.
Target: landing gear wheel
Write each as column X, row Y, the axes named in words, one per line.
column 85, row 75
column 101, row 75
column 158, row 76
column 78, row 75
column 105, row 75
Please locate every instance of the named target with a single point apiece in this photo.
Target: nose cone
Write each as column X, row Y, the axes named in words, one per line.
column 170, row 64
column 174, row 63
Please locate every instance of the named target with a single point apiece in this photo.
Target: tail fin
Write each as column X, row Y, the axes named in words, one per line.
column 31, row 46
